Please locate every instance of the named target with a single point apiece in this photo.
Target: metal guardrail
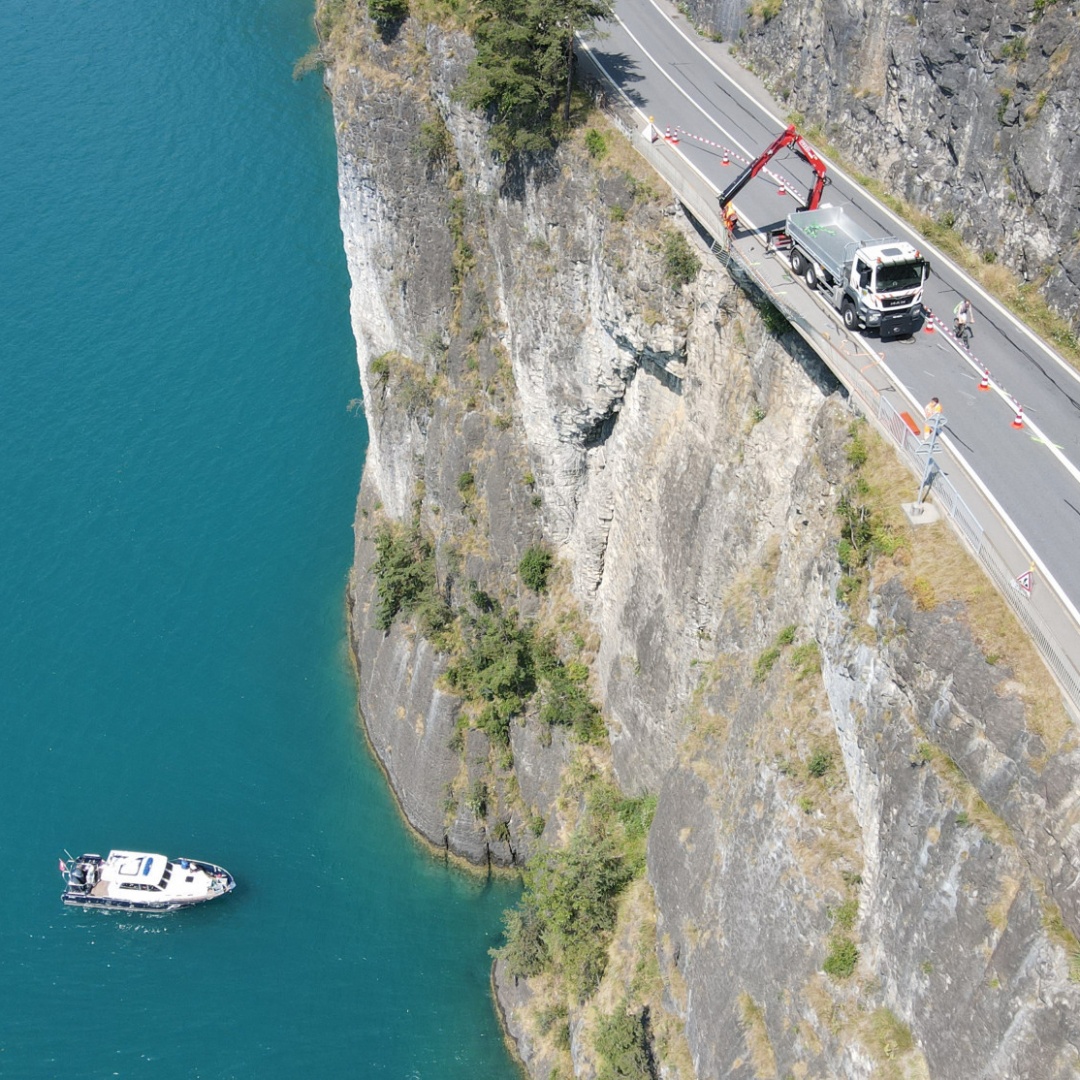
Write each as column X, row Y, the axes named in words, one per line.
column 885, row 417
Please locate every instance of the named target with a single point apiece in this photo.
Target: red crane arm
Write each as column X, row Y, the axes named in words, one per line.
column 788, row 137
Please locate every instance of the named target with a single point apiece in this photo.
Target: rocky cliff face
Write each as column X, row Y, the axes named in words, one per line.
column 966, row 110
column 863, row 857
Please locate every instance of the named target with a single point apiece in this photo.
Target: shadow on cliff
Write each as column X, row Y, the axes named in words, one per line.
column 521, row 170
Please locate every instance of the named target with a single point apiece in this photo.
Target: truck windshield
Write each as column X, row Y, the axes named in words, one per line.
column 900, row 276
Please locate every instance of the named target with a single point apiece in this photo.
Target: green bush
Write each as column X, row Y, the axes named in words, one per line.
column 776, row 322
column 567, row 912
column 534, row 568
column 495, row 661
column 856, row 451
column 863, row 535
column 434, row 145
column 596, row 144
column 622, row 1041
column 765, row 663
column 524, row 950
column 405, row 579
column 380, row 367
column 820, row 763
column 564, row 696
column 842, row 958
column 681, row 265
column 387, row 12
column 522, row 72
column 477, row 799
column 844, row 916
column 806, row 660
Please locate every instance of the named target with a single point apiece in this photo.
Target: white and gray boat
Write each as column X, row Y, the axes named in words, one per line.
column 142, row 881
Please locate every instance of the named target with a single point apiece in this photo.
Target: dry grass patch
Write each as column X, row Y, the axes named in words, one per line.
column 831, row 1014
column 633, row 982
column 891, row 1042
column 753, row 586
column 997, row 914
column 756, row 1033
column 975, row 810
column 1058, row 932
column 547, row 1020
column 619, row 158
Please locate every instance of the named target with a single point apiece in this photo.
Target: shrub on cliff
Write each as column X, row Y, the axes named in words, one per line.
column 386, row 13
column 534, row 568
column 681, row 265
column 405, row 578
column 564, row 694
column 493, row 663
column 622, row 1041
column 842, row 958
column 567, row 913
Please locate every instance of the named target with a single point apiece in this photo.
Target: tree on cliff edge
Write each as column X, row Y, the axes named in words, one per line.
column 524, row 66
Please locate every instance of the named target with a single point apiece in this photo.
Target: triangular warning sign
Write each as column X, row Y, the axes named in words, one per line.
column 1023, row 582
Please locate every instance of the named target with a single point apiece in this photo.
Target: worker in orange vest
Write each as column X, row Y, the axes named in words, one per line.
column 931, row 412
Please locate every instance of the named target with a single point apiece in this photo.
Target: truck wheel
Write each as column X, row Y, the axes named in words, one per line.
column 810, row 275
column 851, row 316
column 798, row 263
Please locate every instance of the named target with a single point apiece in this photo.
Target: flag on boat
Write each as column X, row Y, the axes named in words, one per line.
column 63, row 867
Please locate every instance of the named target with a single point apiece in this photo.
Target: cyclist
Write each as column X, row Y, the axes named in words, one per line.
column 964, row 322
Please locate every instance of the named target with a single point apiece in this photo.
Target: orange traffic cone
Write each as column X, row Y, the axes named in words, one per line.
column 928, row 321
column 984, row 382
column 675, row 136
column 781, row 190
column 725, row 160
column 1018, row 419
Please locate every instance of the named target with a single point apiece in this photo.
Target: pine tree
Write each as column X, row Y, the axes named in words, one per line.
column 524, row 67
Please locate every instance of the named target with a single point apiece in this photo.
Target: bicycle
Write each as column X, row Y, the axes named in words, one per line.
column 963, row 333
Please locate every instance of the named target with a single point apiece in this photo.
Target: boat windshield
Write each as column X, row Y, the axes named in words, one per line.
column 900, row 276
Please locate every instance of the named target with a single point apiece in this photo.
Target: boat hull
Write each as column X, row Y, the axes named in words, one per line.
column 125, row 882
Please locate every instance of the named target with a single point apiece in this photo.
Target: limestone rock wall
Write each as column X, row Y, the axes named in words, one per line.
column 685, row 464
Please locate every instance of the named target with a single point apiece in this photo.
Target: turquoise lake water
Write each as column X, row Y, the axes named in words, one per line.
column 178, row 478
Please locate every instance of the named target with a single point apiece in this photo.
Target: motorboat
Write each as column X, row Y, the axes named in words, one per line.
column 141, row 881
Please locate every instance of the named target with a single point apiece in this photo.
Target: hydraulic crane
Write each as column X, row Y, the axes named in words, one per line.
column 789, row 137
column 875, row 283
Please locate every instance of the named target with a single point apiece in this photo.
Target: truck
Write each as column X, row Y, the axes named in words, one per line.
column 875, row 283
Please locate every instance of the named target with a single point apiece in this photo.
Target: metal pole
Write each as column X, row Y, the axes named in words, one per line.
column 936, row 424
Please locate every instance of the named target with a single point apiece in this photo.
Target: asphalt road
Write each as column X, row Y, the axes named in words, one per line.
column 691, row 87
